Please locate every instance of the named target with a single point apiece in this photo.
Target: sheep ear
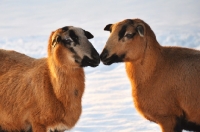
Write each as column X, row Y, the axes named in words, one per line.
column 108, row 27
column 56, row 40
column 140, row 30
column 88, row 34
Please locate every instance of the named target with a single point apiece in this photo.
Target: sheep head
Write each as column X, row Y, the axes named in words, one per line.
column 71, row 45
column 127, row 41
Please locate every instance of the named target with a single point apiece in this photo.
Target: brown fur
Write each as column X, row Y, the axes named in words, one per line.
column 40, row 93
column 165, row 80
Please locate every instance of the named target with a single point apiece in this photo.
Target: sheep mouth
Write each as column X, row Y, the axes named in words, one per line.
column 113, row 59
column 86, row 61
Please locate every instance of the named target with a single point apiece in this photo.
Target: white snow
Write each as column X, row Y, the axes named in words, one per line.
column 107, row 101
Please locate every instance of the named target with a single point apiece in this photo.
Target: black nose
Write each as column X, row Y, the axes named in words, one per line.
column 104, row 54
column 95, row 56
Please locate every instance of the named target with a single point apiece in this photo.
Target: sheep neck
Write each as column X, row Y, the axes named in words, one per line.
column 140, row 71
column 67, row 82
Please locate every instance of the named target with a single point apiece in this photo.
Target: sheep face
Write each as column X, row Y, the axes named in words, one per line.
column 74, row 41
column 126, row 41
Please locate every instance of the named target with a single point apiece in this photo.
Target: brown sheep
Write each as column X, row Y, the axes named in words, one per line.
column 165, row 80
column 44, row 95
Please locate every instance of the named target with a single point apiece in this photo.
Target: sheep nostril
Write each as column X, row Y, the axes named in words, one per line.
column 104, row 54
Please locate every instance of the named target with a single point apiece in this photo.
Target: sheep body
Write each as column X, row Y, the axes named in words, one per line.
column 167, row 90
column 32, row 77
column 41, row 94
column 165, row 80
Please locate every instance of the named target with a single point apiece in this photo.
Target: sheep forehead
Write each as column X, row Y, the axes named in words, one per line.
column 121, row 28
column 117, row 27
column 127, row 22
column 126, row 26
column 78, row 31
column 64, row 32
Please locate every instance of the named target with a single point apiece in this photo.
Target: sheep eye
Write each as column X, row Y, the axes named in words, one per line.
column 67, row 41
column 129, row 35
column 75, row 38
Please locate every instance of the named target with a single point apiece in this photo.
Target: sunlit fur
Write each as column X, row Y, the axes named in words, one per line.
column 165, row 80
column 40, row 94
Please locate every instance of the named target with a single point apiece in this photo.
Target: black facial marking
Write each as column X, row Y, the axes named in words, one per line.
column 95, row 55
column 184, row 124
column 124, row 27
column 74, row 36
column 65, row 29
column 113, row 59
column 88, row 34
column 122, row 32
column 108, row 28
column 104, row 54
column 72, row 50
column 66, row 42
column 86, row 61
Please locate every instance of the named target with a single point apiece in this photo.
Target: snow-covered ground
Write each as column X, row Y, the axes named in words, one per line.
column 107, row 102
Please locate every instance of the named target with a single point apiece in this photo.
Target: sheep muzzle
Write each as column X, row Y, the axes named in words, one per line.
column 86, row 61
column 112, row 59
